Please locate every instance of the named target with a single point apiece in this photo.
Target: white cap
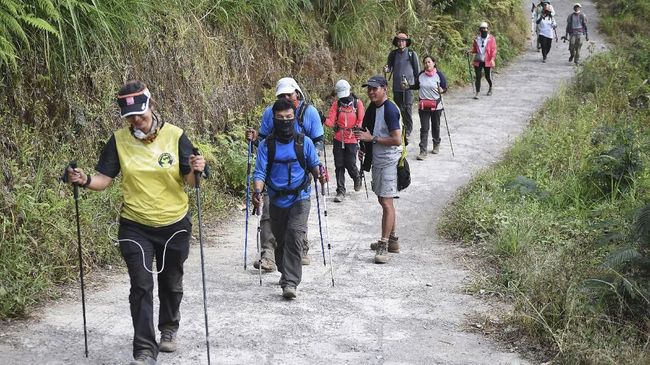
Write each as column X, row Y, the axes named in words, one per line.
column 286, row 85
column 577, row 4
column 342, row 89
column 483, row 25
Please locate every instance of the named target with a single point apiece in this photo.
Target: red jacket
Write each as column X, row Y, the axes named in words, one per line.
column 347, row 119
column 490, row 51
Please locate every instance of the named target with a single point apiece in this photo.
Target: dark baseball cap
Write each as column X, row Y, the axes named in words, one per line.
column 376, row 81
column 134, row 104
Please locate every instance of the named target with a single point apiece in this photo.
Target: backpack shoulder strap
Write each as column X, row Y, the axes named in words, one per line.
column 270, row 145
column 301, row 114
column 299, row 147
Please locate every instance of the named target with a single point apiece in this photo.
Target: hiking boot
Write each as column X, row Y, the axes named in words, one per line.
column 339, row 197
column 422, row 155
column 436, row 149
column 570, row 58
column 143, row 359
column 167, row 341
column 357, row 184
column 476, row 96
column 267, row 265
column 288, row 292
column 393, row 245
column 381, row 256
column 489, row 91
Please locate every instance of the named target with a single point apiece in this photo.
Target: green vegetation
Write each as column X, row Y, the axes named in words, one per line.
column 211, row 65
column 565, row 217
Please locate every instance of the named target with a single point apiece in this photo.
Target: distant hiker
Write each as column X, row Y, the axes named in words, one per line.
column 284, row 160
column 381, row 150
column 576, row 28
column 345, row 115
column 538, row 11
column 546, row 25
column 308, row 122
column 431, row 82
column 403, row 64
column 484, row 49
column 156, row 160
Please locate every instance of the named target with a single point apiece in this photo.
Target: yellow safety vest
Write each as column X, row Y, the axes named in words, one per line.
column 152, row 184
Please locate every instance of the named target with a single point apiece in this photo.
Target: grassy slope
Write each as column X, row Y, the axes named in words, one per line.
column 557, row 215
column 211, row 67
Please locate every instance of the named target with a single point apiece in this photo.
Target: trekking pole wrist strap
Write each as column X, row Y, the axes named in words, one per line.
column 87, row 183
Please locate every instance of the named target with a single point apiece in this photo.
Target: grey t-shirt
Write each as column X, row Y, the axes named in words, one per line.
column 385, row 122
column 402, row 66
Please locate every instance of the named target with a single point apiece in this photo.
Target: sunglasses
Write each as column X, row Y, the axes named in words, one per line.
column 285, row 96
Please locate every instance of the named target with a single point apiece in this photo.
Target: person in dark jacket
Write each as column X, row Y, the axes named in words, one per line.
column 403, row 63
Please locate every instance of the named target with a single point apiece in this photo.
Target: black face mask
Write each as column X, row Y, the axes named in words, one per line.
column 484, row 34
column 283, row 129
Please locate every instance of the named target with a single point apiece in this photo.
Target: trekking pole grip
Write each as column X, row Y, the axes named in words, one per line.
column 197, row 174
column 75, row 186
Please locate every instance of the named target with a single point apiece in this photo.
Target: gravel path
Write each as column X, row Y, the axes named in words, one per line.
column 411, row 310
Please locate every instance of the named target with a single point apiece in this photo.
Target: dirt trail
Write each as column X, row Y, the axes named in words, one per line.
column 411, row 310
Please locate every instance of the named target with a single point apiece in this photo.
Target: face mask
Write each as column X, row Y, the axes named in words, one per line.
column 484, row 33
column 147, row 137
column 283, row 129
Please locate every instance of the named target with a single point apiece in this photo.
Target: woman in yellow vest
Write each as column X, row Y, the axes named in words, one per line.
column 156, row 160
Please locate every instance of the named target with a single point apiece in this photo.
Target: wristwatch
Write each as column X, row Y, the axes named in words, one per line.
column 375, row 139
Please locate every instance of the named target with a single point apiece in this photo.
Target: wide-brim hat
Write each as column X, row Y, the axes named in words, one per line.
column 376, row 81
column 135, row 103
column 396, row 38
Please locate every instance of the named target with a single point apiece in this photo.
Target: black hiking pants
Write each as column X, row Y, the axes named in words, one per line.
column 404, row 99
column 477, row 71
column 170, row 280
column 546, row 45
column 345, row 158
column 290, row 230
column 427, row 116
column 267, row 241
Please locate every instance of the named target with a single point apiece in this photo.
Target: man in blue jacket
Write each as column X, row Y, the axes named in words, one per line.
column 284, row 160
column 306, row 121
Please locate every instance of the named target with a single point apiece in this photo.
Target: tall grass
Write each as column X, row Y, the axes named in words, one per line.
column 566, row 219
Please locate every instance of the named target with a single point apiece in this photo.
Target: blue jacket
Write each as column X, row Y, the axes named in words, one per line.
column 280, row 174
column 312, row 126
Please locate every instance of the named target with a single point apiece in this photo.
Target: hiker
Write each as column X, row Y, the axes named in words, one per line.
column 307, row 121
column 155, row 159
column 484, row 49
column 546, row 25
column 381, row 149
column 403, row 64
column 576, row 27
column 537, row 12
column 284, row 160
column 431, row 82
column 345, row 115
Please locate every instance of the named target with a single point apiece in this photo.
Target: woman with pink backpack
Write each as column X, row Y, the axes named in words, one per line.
column 345, row 115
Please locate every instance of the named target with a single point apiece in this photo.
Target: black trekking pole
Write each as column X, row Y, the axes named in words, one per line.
column 327, row 236
column 197, row 189
column 471, row 77
column 248, row 195
column 363, row 175
column 75, row 189
column 327, row 183
column 444, row 113
column 320, row 224
column 258, row 234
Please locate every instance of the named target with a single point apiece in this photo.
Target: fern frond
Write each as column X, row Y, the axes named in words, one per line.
column 49, row 9
column 41, row 24
column 621, row 256
column 12, row 26
column 642, row 224
column 12, row 6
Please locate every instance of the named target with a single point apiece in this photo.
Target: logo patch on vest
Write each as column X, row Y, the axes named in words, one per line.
column 165, row 160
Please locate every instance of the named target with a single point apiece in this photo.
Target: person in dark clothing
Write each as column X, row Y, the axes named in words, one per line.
column 403, row 63
column 284, row 174
column 156, row 160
